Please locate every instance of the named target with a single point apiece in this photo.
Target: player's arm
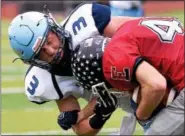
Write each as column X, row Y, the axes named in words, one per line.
column 103, row 108
column 106, row 24
column 114, row 23
column 79, row 120
column 83, row 126
column 43, row 87
column 153, row 86
column 88, row 110
column 72, row 116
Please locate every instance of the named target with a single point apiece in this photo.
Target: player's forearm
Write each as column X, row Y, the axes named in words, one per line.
column 84, row 128
column 153, row 86
column 87, row 111
column 151, row 97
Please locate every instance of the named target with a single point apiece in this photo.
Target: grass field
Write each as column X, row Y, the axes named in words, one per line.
column 18, row 115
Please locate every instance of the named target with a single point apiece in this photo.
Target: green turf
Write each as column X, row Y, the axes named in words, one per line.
column 13, row 83
column 19, row 101
column 20, row 115
column 177, row 14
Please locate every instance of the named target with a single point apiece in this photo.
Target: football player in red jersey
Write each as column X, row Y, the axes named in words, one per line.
column 149, row 51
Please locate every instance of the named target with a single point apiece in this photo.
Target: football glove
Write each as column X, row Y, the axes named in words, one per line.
column 105, row 106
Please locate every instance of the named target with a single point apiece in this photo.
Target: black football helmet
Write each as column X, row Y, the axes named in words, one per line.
column 86, row 62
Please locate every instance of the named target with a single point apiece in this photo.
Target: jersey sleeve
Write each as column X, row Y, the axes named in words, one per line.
column 120, row 61
column 101, row 14
column 87, row 20
column 42, row 87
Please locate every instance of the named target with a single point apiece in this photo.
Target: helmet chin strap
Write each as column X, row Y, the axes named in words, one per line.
column 16, row 59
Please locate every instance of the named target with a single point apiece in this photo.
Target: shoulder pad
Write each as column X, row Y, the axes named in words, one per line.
column 87, row 20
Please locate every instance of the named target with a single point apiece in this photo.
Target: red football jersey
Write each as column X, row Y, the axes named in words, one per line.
column 159, row 41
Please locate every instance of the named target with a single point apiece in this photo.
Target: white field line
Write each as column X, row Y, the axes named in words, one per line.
column 12, row 78
column 12, row 90
column 45, row 109
column 56, row 132
column 13, row 69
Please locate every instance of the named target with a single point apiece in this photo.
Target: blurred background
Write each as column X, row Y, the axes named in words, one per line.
column 18, row 115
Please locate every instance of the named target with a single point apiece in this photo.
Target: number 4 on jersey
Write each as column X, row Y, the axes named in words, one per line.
column 165, row 29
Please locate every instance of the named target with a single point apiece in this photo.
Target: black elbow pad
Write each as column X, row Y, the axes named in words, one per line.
column 67, row 118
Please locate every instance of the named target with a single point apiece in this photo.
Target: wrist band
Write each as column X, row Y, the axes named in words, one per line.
column 97, row 121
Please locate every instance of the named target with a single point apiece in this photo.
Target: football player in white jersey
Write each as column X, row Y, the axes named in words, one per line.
column 35, row 36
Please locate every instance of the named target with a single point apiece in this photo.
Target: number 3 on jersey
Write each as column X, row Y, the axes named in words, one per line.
column 34, row 84
column 77, row 25
column 165, row 29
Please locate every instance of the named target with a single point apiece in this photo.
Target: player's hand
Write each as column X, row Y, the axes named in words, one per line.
column 106, row 104
column 144, row 123
column 67, row 118
column 134, row 106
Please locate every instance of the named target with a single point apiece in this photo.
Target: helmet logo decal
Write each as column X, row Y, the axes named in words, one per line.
column 36, row 47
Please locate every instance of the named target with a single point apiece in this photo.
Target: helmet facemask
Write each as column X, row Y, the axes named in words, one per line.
column 65, row 40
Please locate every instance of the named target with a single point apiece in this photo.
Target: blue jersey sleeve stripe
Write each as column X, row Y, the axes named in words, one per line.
column 101, row 14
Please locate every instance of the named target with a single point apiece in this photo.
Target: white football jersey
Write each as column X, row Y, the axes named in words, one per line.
column 87, row 20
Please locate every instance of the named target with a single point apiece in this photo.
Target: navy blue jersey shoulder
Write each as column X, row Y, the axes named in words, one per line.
column 101, row 14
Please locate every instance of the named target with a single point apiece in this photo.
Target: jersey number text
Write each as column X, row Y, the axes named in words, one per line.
column 33, row 85
column 165, row 29
column 77, row 25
